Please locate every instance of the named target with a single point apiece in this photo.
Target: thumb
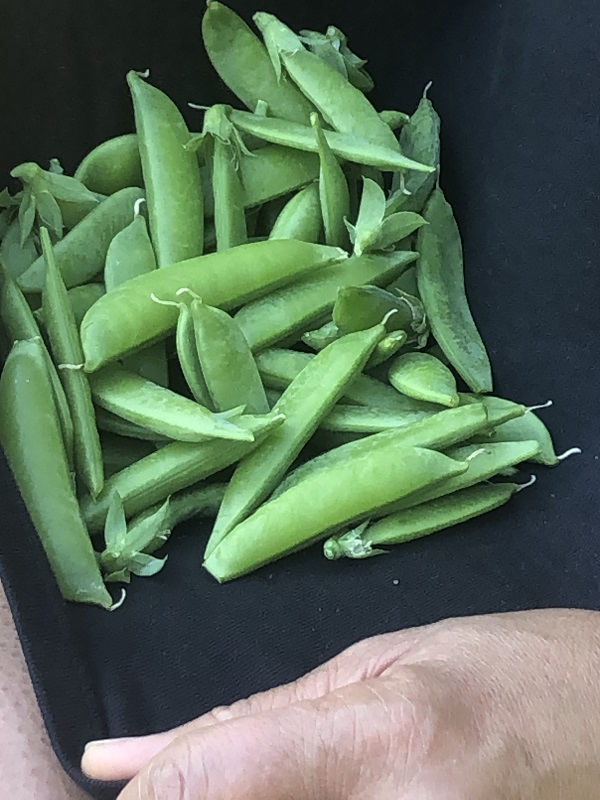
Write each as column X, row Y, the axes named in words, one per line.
column 313, row 748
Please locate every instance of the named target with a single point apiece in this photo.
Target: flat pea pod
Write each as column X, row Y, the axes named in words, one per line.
column 422, row 520
column 17, row 257
column 357, row 149
column 151, row 406
column 274, row 171
column 119, row 452
column 171, row 174
column 187, row 353
column 31, row 438
column 128, row 317
column 294, row 309
column 306, row 401
column 334, row 195
column 243, row 64
column 300, row 218
column 527, row 426
column 228, row 366
column 357, row 307
column 174, row 467
column 304, row 514
column 112, row 165
column 440, row 276
column 342, row 105
column 424, row 377
column 81, row 253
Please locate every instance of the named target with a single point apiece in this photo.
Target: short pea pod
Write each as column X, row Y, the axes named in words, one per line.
column 357, row 307
column 187, row 353
column 158, row 409
column 342, row 105
column 395, row 119
column 528, row 426
column 498, row 409
column 81, row 253
column 111, row 166
column 309, row 398
column 31, row 438
column 274, row 171
column 422, row 520
column 171, row 174
column 300, row 218
column 243, row 64
column 128, row 317
column 174, row 467
column 424, row 377
column 228, row 366
column 334, row 195
column 440, row 276
column 294, row 309
column 304, row 514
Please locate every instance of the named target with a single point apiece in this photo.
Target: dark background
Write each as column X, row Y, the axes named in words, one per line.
column 516, row 83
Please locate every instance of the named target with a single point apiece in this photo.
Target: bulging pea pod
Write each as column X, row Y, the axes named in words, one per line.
column 334, row 195
column 300, row 218
column 367, row 539
column 174, row 467
column 171, row 174
column 17, row 257
column 81, row 253
column 424, row 377
column 292, row 310
column 187, row 354
column 304, row 514
column 112, row 165
column 128, row 317
column 31, row 437
column 308, row 398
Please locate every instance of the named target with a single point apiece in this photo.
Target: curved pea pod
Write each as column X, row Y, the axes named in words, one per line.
column 423, row 520
column 440, row 275
column 304, row 514
column 128, row 317
column 357, row 307
column 300, row 218
column 174, row 467
column 357, row 149
column 527, row 427
column 293, row 309
column 111, row 166
column 81, row 253
column 334, row 195
column 424, row 377
column 243, row 64
column 342, row 105
column 171, row 174
column 31, row 438
column 151, row 406
column 306, row 401
column 187, row 353
column 17, row 257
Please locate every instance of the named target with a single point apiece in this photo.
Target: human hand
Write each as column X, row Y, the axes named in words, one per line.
column 502, row 707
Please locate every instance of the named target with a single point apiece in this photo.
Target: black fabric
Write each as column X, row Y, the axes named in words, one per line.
column 516, row 83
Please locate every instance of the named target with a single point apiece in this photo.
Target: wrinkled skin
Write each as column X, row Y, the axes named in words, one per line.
column 503, row 707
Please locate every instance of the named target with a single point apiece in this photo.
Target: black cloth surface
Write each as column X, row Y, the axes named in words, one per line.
column 516, row 84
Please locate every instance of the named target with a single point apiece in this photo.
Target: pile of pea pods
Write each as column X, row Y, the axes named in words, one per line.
column 263, row 323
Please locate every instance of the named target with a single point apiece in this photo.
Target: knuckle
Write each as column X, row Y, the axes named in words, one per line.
column 170, row 776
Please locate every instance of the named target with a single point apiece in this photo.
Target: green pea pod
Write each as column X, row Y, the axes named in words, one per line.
column 334, row 195
column 422, row 520
column 174, row 467
column 158, row 409
column 396, row 228
column 17, row 258
column 357, row 307
column 300, row 218
column 171, row 174
column 128, row 317
column 243, row 64
column 228, row 366
column 81, row 298
column 309, row 398
column 396, row 120
column 274, row 171
column 31, row 438
column 119, row 452
column 81, row 253
column 407, row 282
column 440, row 275
column 342, row 105
column 319, row 338
column 294, row 309
column 333, row 48
column 387, row 348
column 424, row 377
column 498, row 409
column 111, row 423
column 527, row 426
column 304, row 514
column 112, row 166
column 187, row 353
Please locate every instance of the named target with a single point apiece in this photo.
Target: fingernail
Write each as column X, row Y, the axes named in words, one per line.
column 100, row 742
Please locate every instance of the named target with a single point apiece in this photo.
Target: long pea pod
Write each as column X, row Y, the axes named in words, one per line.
column 304, row 514
column 295, row 308
column 300, row 218
column 128, row 317
column 440, row 276
column 66, row 350
column 112, row 165
column 81, row 253
column 334, row 195
column 424, row 377
column 309, row 398
column 31, row 438
column 422, row 520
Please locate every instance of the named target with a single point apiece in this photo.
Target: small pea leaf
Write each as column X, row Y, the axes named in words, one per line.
column 56, row 167
column 370, row 216
column 26, row 214
column 7, row 200
column 145, row 565
column 397, row 227
column 120, row 576
column 49, row 213
column 149, row 533
column 66, row 188
column 115, row 527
